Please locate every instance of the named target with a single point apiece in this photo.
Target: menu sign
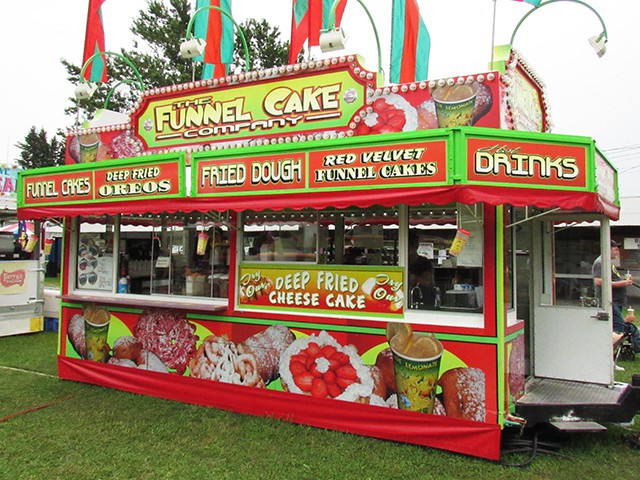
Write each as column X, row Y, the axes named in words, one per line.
column 313, row 287
column 410, row 163
column 125, row 181
column 376, row 166
column 265, row 173
column 520, row 163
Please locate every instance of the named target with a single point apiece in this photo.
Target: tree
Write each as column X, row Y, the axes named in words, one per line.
column 266, row 50
column 37, row 151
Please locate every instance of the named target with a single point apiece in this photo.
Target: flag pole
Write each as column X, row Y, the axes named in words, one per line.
column 493, row 30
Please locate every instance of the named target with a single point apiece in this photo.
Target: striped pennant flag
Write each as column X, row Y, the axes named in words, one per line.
column 410, row 43
column 216, row 29
column 307, row 19
column 94, row 43
column 535, row 3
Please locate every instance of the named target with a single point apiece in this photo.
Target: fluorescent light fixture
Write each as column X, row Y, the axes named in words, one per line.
column 599, row 44
column 85, row 90
column 331, row 40
column 192, row 47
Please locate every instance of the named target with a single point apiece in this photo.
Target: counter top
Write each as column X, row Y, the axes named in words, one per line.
column 208, row 305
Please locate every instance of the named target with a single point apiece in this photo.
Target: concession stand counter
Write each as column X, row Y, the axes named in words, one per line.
column 256, row 243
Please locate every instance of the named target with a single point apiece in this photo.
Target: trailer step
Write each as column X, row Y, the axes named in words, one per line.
column 583, row 427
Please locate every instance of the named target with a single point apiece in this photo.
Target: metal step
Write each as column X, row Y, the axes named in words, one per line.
column 552, row 400
column 583, row 427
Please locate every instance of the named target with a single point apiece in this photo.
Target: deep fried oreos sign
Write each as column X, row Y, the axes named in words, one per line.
column 157, row 179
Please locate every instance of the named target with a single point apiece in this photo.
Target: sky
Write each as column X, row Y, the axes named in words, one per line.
column 590, row 96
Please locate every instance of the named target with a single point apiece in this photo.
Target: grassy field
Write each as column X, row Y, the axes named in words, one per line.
column 56, row 429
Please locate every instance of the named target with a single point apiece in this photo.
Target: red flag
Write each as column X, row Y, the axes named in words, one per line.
column 216, row 29
column 94, row 43
column 307, row 19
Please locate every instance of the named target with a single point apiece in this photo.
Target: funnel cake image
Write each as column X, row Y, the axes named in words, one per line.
column 320, row 367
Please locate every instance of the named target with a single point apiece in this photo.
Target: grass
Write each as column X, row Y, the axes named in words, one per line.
column 93, row 432
column 52, row 282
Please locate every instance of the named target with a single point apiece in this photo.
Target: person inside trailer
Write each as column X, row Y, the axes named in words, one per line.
column 423, row 293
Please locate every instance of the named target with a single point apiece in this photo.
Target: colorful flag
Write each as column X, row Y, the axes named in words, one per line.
column 94, row 43
column 307, row 19
column 535, row 3
column 410, row 43
column 216, row 29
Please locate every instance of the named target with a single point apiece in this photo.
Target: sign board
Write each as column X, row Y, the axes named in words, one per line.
column 155, row 177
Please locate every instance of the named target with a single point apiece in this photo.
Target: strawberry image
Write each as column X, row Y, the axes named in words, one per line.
column 391, row 113
column 319, row 366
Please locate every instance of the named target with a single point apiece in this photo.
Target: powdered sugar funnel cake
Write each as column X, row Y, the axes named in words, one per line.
column 319, row 366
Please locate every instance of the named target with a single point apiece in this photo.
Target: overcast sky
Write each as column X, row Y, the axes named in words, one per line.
column 591, row 96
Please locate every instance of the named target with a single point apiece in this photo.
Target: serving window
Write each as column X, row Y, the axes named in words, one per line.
column 331, row 237
column 445, row 258
column 168, row 254
column 417, row 245
column 95, row 255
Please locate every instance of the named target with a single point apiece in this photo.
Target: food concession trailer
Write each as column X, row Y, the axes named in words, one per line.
column 21, row 272
column 252, row 243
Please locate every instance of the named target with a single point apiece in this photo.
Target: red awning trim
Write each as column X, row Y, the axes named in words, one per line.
column 469, row 194
column 462, row 436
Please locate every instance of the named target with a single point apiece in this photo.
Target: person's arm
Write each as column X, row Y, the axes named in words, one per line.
column 625, row 282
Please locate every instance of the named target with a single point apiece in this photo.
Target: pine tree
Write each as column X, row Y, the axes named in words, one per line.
column 37, row 151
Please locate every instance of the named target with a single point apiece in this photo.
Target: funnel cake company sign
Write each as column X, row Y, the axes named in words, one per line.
column 326, row 100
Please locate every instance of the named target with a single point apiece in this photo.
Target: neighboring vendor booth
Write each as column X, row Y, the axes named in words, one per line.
column 21, row 272
column 305, row 244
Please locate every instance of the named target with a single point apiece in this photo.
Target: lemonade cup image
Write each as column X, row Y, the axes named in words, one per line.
column 89, row 145
column 455, row 104
column 96, row 330
column 416, row 363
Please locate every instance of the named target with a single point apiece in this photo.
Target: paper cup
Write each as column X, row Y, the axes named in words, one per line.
column 89, row 145
column 459, row 242
column 48, row 242
column 417, row 378
column 455, row 104
column 203, row 238
column 32, row 241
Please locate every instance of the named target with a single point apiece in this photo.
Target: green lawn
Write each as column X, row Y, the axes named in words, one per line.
column 87, row 432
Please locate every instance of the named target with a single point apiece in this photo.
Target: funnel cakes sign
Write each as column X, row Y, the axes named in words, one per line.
column 158, row 178
column 291, row 104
